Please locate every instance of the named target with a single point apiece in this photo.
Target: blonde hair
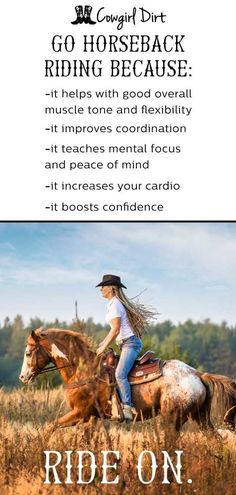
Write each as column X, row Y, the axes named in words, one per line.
column 139, row 315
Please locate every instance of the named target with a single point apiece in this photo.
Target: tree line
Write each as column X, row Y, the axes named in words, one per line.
column 204, row 345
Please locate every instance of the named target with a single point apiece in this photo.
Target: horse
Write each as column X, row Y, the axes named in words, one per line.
column 182, row 392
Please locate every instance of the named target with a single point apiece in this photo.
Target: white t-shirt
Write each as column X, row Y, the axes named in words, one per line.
column 116, row 309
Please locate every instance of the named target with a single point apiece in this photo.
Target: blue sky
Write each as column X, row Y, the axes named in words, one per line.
column 188, row 270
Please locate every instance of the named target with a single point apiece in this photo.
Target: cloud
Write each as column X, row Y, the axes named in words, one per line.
column 187, row 268
column 42, row 274
column 6, row 246
column 206, row 251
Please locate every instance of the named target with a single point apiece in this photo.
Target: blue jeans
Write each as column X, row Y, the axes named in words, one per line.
column 129, row 351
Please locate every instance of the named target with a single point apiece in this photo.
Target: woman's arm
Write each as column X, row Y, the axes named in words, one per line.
column 115, row 329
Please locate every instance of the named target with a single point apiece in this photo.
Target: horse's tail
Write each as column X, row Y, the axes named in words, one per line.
column 221, row 393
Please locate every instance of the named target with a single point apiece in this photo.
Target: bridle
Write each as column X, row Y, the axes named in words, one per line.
column 72, row 385
column 39, row 371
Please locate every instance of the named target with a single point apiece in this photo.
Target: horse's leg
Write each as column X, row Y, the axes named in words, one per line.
column 172, row 421
column 70, row 418
column 202, row 418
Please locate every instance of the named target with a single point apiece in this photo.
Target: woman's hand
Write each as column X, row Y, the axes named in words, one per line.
column 101, row 348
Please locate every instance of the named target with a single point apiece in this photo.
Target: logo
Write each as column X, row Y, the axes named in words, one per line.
column 83, row 15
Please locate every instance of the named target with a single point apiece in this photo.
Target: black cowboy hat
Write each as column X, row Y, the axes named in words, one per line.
column 111, row 280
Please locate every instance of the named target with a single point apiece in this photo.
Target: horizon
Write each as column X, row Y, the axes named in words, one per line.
column 26, row 323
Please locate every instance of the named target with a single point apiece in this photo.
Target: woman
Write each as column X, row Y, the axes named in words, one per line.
column 127, row 321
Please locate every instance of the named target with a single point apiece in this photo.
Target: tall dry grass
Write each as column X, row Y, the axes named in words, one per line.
column 207, row 459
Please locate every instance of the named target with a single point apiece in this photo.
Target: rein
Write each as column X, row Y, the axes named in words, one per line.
column 54, row 368
column 81, row 383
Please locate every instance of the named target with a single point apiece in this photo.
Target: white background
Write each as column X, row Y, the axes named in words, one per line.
column 205, row 168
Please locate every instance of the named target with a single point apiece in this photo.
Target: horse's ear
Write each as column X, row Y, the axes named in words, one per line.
column 34, row 336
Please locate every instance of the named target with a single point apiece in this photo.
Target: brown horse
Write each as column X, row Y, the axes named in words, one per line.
column 182, row 392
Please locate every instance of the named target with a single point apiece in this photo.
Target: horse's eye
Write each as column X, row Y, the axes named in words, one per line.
column 28, row 353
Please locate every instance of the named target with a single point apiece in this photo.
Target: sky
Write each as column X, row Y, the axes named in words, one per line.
column 184, row 270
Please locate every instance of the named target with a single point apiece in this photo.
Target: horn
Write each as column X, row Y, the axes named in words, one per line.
column 229, row 416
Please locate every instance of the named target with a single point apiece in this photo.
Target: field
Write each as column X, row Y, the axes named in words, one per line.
column 208, row 460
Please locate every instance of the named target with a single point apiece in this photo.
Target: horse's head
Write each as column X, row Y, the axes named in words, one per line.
column 35, row 359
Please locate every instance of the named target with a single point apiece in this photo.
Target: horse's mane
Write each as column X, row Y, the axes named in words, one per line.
column 81, row 343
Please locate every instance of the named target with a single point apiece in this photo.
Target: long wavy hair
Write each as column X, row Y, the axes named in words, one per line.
column 139, row 315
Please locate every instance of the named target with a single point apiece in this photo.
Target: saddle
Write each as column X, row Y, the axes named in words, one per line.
column 145, row 369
